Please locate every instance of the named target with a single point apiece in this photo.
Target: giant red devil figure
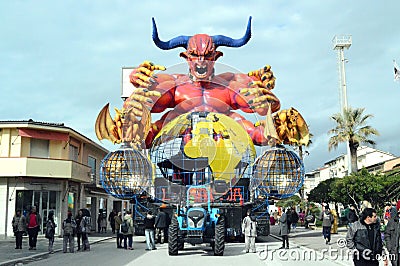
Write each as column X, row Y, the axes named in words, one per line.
column 201, row 89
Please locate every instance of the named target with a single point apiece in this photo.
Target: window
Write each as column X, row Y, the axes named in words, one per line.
column 39, row 148
column 73, row 153
column 92, row 165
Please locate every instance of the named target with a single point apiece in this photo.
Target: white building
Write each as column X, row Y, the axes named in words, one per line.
column 372, row 159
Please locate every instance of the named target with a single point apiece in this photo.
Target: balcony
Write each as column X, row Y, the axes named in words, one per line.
column 44, row 168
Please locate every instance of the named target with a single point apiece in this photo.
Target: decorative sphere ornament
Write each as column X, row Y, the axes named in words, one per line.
column 201, row 148
column 279, row 173
column 125, row 173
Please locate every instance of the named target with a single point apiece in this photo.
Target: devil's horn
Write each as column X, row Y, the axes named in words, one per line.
column 221, row 40
column 180, row 41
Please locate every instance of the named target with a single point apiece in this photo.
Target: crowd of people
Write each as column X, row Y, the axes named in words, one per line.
column 374, row 238
column 371, row 238
column 155, row 227
column 79, row 227
column 368, row 235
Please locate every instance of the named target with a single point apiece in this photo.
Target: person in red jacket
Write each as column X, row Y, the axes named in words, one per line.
column 33, row 224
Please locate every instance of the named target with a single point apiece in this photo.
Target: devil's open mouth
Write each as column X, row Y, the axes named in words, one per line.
column 201, row 71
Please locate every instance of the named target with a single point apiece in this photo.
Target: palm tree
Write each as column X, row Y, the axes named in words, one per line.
column 351, row 128
column 300, row 148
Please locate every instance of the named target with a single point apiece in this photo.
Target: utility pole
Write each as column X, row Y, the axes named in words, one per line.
column 340, row 42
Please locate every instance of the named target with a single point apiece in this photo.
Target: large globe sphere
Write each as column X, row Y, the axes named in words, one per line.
column 279, row 173
column 200, row 148
column 125, row 173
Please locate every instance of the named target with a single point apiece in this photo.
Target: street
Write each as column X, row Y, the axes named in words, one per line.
column 105, row 253
column 307, row 247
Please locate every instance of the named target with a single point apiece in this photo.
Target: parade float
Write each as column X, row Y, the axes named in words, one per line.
column 199, row 159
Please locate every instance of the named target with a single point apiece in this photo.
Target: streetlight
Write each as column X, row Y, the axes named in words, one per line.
column 340, row 42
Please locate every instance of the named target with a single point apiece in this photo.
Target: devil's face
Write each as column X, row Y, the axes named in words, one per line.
column 201, row 56
column 201, row 51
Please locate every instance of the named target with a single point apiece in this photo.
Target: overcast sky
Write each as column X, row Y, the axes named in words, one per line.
column 60, row 61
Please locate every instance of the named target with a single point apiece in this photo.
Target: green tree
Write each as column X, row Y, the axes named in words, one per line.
column 289, row 202
column 357, row 187
column 377, row 189
column 313, row 209
column 322, row 192
column 353, row 189
column 391, row 187
column 351, row 128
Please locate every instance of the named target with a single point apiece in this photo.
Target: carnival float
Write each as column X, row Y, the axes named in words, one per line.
column 201, row 151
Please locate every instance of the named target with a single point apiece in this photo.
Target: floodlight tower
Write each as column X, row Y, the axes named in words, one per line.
column 339, row 43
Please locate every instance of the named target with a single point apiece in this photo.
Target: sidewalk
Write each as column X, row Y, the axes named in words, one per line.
column 306, row 232
column 311, row 241
column 11, row 256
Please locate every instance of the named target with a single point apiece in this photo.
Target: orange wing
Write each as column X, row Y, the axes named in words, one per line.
column 105, row 126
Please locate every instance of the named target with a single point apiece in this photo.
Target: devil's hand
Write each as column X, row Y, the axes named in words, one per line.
column 143, row 79
column 262, row 97
column 140, row 97
column 143, row 76
column 259, row 90
column 264, row 77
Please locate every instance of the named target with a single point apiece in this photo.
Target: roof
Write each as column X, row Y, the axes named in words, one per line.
column 333, row 160
column 43, row 125
column 376, row 150
column 32, row 122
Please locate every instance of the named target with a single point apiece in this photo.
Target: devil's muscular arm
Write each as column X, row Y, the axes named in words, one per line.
column 164, row 84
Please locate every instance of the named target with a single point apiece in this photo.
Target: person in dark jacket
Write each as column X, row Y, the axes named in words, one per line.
column 352, row 215
column 364, row 238
column 284, row 229
column 69, row 229
column 120, row 235
column 327, row 219
column 393, row 209
column 392, row 239
column 34, row 222
column 289, row 219
column 85, row 228
column 78, row 219
column 19, row 228
column 128, row 235
column 161, row 223
column 99, row 219
column 149, row 222
column 111, row 219
column 50, row 231
column 294, row 219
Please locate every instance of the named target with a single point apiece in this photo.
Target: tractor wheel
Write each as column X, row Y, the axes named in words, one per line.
column 219, row 245
column 181, row 245
column 173, row 244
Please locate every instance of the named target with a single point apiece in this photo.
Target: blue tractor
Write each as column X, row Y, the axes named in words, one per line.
column 197, row 224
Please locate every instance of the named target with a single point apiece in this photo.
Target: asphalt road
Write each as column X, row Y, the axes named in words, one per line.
column 105, row 253
column 307, row 247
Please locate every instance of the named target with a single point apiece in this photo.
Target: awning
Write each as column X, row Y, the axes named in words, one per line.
column 43, row 134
